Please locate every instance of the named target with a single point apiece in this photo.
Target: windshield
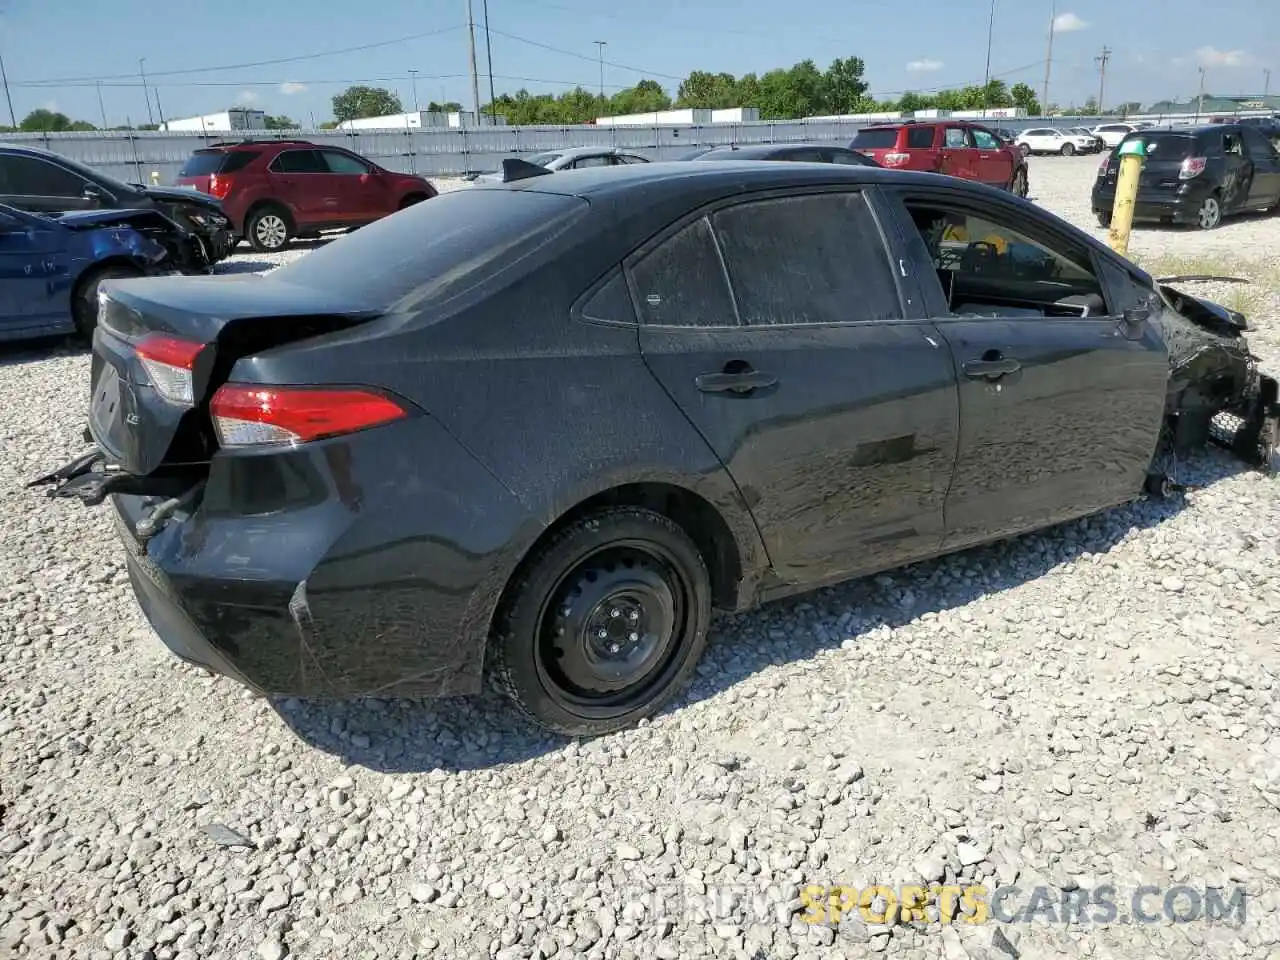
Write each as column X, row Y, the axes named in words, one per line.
column 437, row 249
column 543, row 159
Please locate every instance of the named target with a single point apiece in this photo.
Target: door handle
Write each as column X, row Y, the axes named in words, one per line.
column 743, row 381
column 992, row 369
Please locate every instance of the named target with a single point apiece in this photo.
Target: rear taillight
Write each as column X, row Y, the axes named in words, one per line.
column 1191, row 167
column 170, row 363
column 219, row 185
column 1104, row 165
column 896, row 159
column 255, row 416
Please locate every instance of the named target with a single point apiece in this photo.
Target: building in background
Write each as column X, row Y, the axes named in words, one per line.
column 681, row 118
column 423, row 119
column 225, row 122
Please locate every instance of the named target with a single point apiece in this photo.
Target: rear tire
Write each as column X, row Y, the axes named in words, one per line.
column 268, row 229
column 1068, row 149
column 1104, row 219
column 1209, row 216
column 604, row 623
column 1025, row 150
column 1020, row 187
column 84, row 305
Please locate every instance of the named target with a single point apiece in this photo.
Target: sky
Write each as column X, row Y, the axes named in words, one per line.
column 204, row 57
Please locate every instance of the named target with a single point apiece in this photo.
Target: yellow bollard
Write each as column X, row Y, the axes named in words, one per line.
column 155, row 178
column 1132, row 153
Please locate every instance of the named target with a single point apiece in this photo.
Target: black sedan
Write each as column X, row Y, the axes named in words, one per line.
column 795, row 152
column 44, row 182
column 544, row 428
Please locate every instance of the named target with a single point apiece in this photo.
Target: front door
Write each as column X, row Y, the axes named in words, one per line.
column 995, row 165
column 1264, row 191
column 362, row 194
column 777, row 325
column 1059, row 409
column 959, row 157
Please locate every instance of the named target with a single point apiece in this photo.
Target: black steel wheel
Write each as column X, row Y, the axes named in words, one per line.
column 604, row 624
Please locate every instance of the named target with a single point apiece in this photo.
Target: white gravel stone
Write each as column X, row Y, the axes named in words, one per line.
column 918, row 724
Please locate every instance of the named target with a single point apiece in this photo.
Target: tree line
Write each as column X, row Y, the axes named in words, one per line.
column 802, row 90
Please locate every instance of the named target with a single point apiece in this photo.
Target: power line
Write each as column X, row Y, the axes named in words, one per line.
column 583, row 56
column 68, row 81
column 331, row 81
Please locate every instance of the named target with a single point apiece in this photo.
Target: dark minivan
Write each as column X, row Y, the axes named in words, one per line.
column 1196, row 175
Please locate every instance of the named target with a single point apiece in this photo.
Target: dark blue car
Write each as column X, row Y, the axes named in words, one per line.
column 50, row 266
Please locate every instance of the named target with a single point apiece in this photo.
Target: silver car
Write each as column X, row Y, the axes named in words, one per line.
column 572, row 158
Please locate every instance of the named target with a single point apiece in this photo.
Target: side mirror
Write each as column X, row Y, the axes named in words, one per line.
column 93, row 192
column 1134, row 321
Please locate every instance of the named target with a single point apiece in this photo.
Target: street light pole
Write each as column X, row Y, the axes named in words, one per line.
column 600, row 45
column 101, row 107
column 986, row 81
column 13, row 119
column 1048, row 59
column 488, row 56
column 146, row 94
column 413, row 76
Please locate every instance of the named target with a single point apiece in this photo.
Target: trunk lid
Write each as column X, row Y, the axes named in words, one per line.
column 163, row 345
column 1162, row 164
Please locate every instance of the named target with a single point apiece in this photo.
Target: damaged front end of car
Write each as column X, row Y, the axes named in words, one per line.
column 1216, row 393
column 148, row 231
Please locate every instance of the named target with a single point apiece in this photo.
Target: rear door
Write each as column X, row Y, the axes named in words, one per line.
column 39, row 185
column 301, row 179
column 1059, row 412
column 1264, row 192
column 1237, row 177
column 779, row 327
column 959, row 155
column 994, row 163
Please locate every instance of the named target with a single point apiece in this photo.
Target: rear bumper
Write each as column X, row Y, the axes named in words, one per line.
column 333, row 583
column 1180, row 206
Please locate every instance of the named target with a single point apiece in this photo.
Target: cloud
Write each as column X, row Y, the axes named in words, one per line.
column 247, row 96
column 50, row 105
column 1067, row 23
column 924, row 66
column 290, row 87
column 1213, row 57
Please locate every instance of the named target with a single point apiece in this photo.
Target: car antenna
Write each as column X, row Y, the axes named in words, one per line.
column 513, row 168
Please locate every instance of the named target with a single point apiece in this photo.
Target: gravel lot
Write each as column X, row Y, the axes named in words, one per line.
column 1094, row 705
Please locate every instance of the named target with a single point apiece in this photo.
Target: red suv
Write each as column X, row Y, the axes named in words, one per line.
column 275, row 190
column 954, row 147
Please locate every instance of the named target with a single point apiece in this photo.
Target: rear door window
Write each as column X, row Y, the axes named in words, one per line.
column 920, row 138
column 809, row 259
column 682, row 281
column 338, row 162
column 299, row 161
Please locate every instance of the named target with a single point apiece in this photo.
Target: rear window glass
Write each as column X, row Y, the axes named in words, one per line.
column 215, row 161
column 875, row 139
column 436, row 249
column 1165, row 146
column 921, row 138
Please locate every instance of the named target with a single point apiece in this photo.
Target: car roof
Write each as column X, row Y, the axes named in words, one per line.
column 670, row 177
column 758, row 149
column 581, row 151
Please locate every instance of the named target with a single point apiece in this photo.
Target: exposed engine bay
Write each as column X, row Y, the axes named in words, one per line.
column 187, row 251
column 1216, row 391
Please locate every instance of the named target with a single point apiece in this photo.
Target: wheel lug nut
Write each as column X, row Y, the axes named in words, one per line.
column 603, row 634
column 615, row 613
column 633, row 636
column 634, row 616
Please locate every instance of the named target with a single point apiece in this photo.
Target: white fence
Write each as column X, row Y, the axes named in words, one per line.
column 134, row 155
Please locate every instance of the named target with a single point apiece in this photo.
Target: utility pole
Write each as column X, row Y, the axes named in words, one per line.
column 600, row 45
column 475, row 80
column 413, row 76
column 1048, row 60
column 1102, row 75
column 146, row 93
column 986, row 79
column 488, row 57
column 13, row 119
column 159, row 109
column 1266, row 87
column 1200, row 96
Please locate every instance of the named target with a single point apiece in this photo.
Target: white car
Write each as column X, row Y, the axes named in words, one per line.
column 1049, row 140
column 573, row 158
column 1112, row 133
